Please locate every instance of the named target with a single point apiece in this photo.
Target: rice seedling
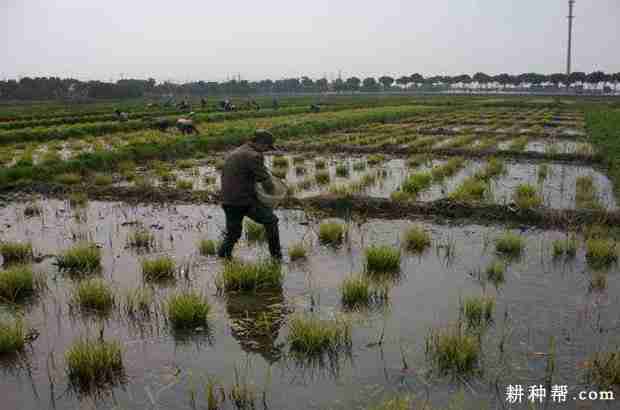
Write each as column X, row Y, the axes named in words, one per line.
column 93, row 363
column 185, row 184
column 240, row 276
column 279, row 173
column 598, row 282
column 342, row 170
column 12, row 335
column 93, row 294
column 102, row 180
column 519, row 144
column 495, row 272
column 400, row 196
column 254, row 232
column 18, row 282
column 331, row 233
column 298, row 159
column 166, row 175
column 450, row 168
column 510, row 244
column 300, row 170
column 280, row 162
column 219, row 164
column 208, row 247
column 140, row 238
column 310, row 335
column 566, row 246
column 78, row 199
column 416, row 239
column 543, row 171
column 209, row 179
column 297, row 251
column 16, row 252
column 478, row 310
column 398, row 403
column 360, row 292
column 359, row 166
column 341, row 190
column 471, row 189
column 320, row 164
column 32, row 209
column 305, row 184
column 604, row 369
column 185, row 164
column 187, row 310
column 83, row 257
column 416, row 183
column 68, row 179
column 492, row 169
column 452, row 350
column 584, row 149
column 322, row 178
column 138, row 302
column 585, row 196
column 526, row 197
column 382, row 259
column 601, row 252
column 160, row 268
column 375, row 159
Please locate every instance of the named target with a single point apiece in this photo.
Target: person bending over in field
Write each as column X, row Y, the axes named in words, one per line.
column 243, row 168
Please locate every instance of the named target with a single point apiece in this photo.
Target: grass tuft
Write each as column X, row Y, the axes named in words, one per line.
column 102, row 180
column 416, row 183
column 495, row 271
column 416, row 239
column 187, row 310
column 241, row 276
column 280, row 162
column 604, row 369
column 16, row 252
column 12, row 335
column 297, row 251
column 137, row 302
column 208, row 247
column 83, row 257
column 93, row 294
column 478, row 310
column 526, row 197
column 342, row 170
column 322, row 178
column 359, row 292
column 510, row 243
column 94, row 363
column 141, row 238
column 310, row 335
column 331, row 233
column 382, row 259
column 452, row 350
column 68, row 179
column 565, row 246
column 254, row 232
column 601, row 252
column 161, row 268
column 18, row 282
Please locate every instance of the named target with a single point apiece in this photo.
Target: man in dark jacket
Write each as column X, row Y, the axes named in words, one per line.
column 243, row 168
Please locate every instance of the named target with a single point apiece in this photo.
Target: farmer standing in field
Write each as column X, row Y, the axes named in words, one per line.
column 243, row 168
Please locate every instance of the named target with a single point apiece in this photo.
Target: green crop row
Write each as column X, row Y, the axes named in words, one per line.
column 603, row 127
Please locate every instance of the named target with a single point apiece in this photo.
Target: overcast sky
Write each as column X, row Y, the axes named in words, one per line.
column 213, row 40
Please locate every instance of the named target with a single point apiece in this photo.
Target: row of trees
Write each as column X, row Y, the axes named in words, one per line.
column 41, row 88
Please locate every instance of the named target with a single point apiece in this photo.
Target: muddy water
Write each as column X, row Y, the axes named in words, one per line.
column 541, row 298
column 558, row 188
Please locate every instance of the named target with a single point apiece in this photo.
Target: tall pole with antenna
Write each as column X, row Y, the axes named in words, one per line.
column 571, row 17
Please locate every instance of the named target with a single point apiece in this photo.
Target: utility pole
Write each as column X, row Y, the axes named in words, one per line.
column 571, row 17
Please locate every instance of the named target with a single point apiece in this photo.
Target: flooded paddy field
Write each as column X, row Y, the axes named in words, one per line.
column 541, row 299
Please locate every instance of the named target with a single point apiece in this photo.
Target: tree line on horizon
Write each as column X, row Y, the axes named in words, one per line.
column 44, row 88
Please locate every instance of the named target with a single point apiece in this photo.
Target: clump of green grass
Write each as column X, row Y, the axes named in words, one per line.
column 400, row 196
column 83, row 257
column 309, row 335
column 471, row 189
column 320, row 164
column 417, row 160
column 297, row 251
column 219, row 164
column 510, row 244
column 478, row 310
column 69, row 179
column 300, row 170
column 16, row 252
column 140, row 238
column 209, row 179
column 543, row 171
column 240, row 276
column 18, row 282
column 254, row 232
column 452, row 350
column 298, row 159
column 322, row 178
column 360, row 292
column 102, row 180
column 375, row 159
column 32, row 209
column 331, row 233
column 382, row 259
column 208, row 247
column 185, row 184
column 493, row 168
column 416, row 239
column 187, row 310
column 342, row 170
column 137, row 302
column 12, row 335
column 604, row 369
column 448, row 169
column 279, row 173
column 601, row 251
column 305, row 184
column 598, row 281
column 78, row 199
column 185, row 164
column 93, row 363
column 280, row 162
column 359, row 166
column 566, row 246
column 585, row 196
column 160, row 268
column 398, row 403
column 526, row 197
column 495, row 271
column 416, row 183
column 93, row 294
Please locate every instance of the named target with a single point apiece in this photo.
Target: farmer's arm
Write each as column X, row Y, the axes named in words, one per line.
column 262, row 175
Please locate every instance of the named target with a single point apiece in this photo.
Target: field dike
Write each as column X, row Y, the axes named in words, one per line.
column 361, row 206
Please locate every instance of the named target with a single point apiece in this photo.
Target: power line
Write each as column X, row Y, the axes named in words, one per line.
column 571, row 17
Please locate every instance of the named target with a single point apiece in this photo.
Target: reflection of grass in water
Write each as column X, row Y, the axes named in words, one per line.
column 16, row 252
column 93, row 294
column 137, row 302
column 452, row 350
column 381, row 259
column 208, row 247
column 12, row 335
column 478, row 310
column 187, row 310
column 94, row 363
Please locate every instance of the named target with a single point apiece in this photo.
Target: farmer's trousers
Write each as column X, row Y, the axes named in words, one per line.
column 259, row 213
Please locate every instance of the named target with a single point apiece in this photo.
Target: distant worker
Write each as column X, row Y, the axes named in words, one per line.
column 243, row 168
column 121, row 116
column 275, row 104
column 315, row 108
column 203, row 103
